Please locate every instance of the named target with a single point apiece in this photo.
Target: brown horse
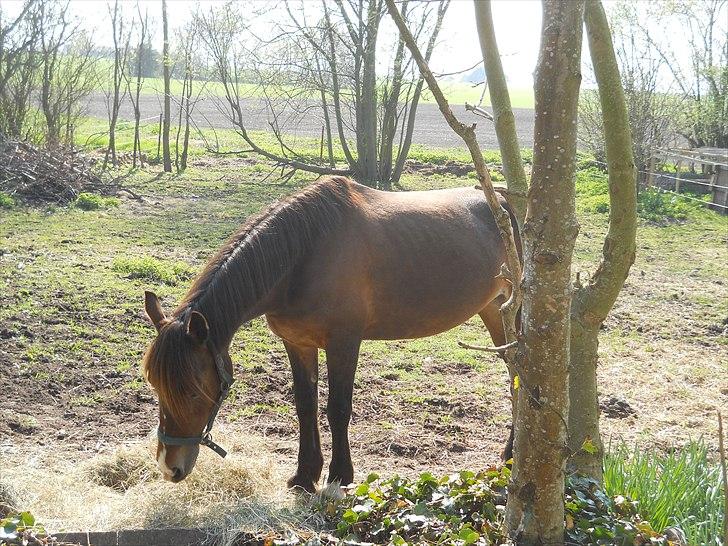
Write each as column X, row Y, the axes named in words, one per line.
column 332, row 265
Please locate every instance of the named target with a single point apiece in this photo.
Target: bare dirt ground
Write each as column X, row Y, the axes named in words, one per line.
column 431, row 129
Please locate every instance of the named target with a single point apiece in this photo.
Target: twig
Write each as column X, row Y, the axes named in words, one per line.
column 478, row 111
column 721, row 451
column 488, row 349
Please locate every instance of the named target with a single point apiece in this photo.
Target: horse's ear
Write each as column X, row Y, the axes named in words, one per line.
column 197, row 328
column 154, row 309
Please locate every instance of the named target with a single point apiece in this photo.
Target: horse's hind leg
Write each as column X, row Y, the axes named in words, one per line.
column 494, row 323
column 304, row 363
column 341, row 359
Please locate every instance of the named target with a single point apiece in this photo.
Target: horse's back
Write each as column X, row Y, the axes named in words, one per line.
column 403, row 265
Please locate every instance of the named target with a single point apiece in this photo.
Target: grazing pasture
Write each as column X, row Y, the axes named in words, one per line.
column 73, row 330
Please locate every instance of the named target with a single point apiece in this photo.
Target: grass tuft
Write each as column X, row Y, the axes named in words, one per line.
column 92, row 201
column 151, row 269
column 681, row 488
column 6, row 201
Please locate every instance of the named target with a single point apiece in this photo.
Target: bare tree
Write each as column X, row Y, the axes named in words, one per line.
column 143, row 35
column 19, row 61
column 328, row 66
column 654, row 111
column 702, row 79
column 115, row 96
column 68, row 70
column 166, row 63
column 187, row 43
column 535, row 509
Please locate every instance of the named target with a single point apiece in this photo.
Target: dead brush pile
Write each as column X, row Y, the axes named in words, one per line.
column 36, row 175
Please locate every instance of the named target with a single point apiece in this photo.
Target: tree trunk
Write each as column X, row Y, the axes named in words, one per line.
column 409, row 128
column 366, row 122
column 135, row 96
column 117, row 32
column 167, row 158
column 505, row 123
column 592, row 302
column 535, row 507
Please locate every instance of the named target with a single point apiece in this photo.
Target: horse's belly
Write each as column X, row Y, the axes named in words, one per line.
column 424, row 305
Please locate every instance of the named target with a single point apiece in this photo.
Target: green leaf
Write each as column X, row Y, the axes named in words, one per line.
column 372, row 477
column 350, row 516
column 468, row 535
column 362, row 490
column 516, row 382
column 27, row 519
column 589, row 446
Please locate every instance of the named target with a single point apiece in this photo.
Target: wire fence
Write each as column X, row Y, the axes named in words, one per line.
column 679, row 180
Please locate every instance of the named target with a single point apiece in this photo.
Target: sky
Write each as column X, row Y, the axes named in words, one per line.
column 517, row 25
column 517, row 28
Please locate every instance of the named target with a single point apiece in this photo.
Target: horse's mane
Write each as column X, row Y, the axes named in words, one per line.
column 245, row 270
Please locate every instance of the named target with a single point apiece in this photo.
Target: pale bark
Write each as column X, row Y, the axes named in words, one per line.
column 136, row 95
column 366, row 111
column 166, row 61
column 592, row 302
column 535, row 507
column 121, row 57
column 505, row 123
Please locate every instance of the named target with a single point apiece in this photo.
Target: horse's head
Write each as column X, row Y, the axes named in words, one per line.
column 181, row 368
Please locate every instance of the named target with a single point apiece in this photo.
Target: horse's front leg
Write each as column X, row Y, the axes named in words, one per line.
column 341, row 359
column 304, row 363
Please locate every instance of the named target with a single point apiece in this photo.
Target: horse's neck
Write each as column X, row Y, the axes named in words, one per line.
column 221, row 335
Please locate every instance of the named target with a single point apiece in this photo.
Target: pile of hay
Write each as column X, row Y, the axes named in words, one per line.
column 124, row 490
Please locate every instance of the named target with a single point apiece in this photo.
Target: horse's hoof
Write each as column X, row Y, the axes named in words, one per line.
column 302, row 483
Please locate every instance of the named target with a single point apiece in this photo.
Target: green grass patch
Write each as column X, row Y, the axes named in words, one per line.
column 680, row 488
column 653, row 205
column 658, row 206
column 154, row 270
column 92, row 201
column 6, row 201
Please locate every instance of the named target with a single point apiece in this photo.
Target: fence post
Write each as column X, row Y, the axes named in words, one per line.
column 651, row 169
column 159, row 136
column 677, row 176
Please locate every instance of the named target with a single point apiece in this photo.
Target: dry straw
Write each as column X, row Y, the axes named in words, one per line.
column 124, row 490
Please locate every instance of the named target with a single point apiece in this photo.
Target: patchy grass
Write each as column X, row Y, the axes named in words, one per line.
column 73, row 333
column 150, row 269
column 92, row 201
column 653, row 205
column 6, row 201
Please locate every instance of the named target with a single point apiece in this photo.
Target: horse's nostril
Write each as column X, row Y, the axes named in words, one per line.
column 176, row 474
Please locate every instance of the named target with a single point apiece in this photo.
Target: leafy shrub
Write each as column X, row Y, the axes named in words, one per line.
column 151, row 269
column 681, row 488
column 596, row 203
column 92, row 201
column 467, row 508
column 592, row 190
column 654, row 205
column 6, row 201
column 19, row 528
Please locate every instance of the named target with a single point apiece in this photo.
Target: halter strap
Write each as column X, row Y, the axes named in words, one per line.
column 205, row 438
